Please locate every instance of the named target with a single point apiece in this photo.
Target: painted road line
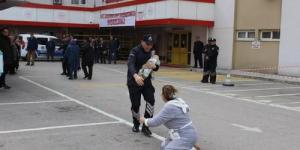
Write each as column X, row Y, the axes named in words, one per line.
column 262, row 89
column 249, row 129
column 88, row 106
column 178, row 85
column 59, row 127
column 34, row 102
column 289, row 103
column 254, row 84
column 278, row 95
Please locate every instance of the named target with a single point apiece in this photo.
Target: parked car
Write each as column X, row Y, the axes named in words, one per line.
column 41, row 53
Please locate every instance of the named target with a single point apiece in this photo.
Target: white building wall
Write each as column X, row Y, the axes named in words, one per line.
column 289, row 51
column 223, row 31
column 149, row 11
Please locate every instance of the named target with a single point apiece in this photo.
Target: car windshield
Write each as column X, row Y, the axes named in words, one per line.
column 42, row 41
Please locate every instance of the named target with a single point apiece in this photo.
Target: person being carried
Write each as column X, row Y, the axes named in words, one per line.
column 145, row 71
column 175, row 116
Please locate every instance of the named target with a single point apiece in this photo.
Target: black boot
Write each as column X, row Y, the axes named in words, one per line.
column 136, row 128
column 213, row 79
column 205, row 77
column 146, row 131
column 136, row 125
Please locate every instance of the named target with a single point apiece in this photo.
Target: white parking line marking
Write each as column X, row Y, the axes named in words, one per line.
column 59, row 127
column 245, row 128
column 257, row 84
column 289, row 103
column 88, row 106
column 278, row 95
column 262, row 89
column 36, row 102
column 178, row 85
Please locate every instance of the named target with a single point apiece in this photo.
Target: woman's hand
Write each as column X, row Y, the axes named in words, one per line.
column 142, row 120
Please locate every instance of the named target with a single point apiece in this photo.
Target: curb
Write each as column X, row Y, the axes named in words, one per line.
column 259, row 76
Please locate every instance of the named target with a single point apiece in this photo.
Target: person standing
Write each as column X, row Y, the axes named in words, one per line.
column 73, row 57
column 211, row 53
column 113, row 50
column 15, row 52
column 87, row 63
column 50, row 50
column 97, row 51
column 66, row 41
column 103, row 51
column 31, row 49
column 138, row 86
column 6, row 49
column 198, row 50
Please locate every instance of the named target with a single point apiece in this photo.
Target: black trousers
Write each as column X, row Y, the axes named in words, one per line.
column 65, row 67
column 72, row 72
column 3, row 75
column 209, row 71
column 50, row 55
column 97, row 57
column 103, row 58
column 88, row 70
column 198, row 59
column 135, row 93
column 112, row 57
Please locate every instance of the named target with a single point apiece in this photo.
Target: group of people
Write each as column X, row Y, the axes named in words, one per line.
column 210, row 54
column 174, row 115
column 91, row 51
column 10, row 46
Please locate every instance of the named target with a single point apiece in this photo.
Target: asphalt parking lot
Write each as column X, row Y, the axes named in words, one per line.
column 45, row 111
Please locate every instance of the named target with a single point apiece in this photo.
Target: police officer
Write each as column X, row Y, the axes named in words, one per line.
column 211, row 53
column 138, row 86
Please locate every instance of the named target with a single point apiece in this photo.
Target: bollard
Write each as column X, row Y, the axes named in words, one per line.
column 228, row 81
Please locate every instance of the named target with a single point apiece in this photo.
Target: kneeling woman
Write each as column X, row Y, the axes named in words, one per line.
column 174, row 115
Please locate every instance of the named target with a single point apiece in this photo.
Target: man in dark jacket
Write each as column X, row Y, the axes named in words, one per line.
column 50, row 50
column 73, row 57
column 6, row 49
column 87, row 63
column 103, row 51
column 137, row 85
column 31, row 49
column 198, row 50
column 64, row 61
column 211, row 53
column 114, row 46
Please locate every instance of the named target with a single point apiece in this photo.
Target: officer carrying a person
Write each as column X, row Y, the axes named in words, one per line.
column 211, row 53
column 137, row 85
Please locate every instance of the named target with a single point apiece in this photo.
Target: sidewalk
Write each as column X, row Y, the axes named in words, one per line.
column 255, row 75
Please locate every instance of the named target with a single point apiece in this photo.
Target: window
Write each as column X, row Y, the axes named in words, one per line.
column 42, row 41
column 245, row 35
column 270, row 35
column 78, row 2
column 57, row 2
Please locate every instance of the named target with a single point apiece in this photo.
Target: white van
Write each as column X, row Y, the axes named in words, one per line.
column 41, row 53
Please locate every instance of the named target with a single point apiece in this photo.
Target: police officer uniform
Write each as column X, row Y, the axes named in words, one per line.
column 211, row 53
column 137, row 58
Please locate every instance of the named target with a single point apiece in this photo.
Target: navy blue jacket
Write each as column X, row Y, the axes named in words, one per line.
column 32, row 44
column 73, row 55
column 137, row 58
